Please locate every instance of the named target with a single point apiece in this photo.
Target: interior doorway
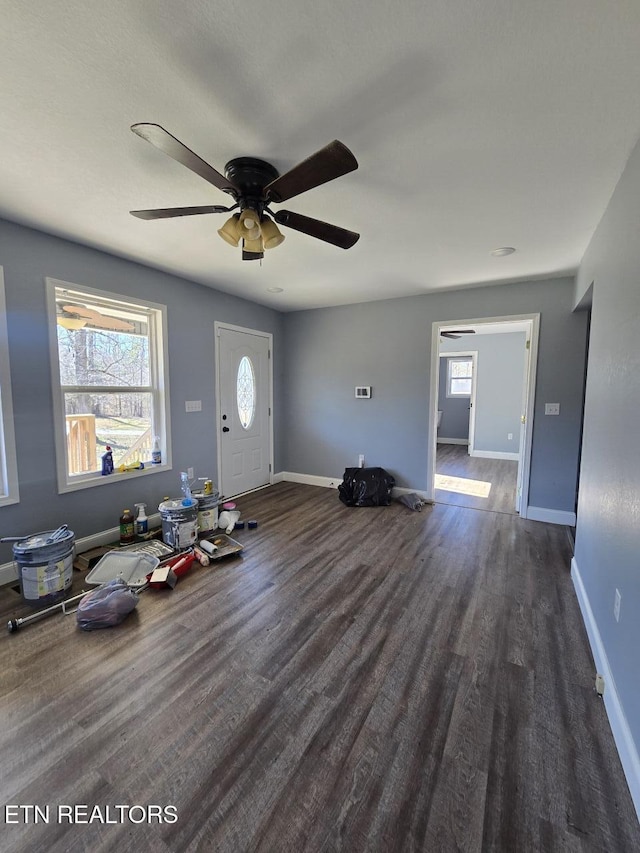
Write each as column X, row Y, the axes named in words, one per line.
column 489, row 468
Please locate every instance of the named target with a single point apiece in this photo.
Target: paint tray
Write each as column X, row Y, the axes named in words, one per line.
column 225, row 546
column 133, row 567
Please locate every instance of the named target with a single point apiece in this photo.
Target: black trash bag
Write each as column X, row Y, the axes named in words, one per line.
column 366, row 487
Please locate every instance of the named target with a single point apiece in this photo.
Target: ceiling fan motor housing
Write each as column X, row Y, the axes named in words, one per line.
column 251, row 176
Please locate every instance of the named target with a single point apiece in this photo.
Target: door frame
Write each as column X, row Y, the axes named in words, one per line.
column 218, row 325
column 472, row 396
column 529, row 393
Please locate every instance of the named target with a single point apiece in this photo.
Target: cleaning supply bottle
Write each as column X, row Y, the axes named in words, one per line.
column 107, row 461
column 142, row 522
column 127, row 528
column 156, row 453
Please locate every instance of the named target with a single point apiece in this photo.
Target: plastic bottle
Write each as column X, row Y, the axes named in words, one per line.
column 156, row 453
column 107, row 461
column 186, row 489
column 127, row 528
column 142, row 522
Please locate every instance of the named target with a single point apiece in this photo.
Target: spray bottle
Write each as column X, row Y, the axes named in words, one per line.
column 142, row 522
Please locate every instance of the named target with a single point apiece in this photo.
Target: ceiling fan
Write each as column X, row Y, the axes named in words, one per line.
column 254, row 185
column 454, row 334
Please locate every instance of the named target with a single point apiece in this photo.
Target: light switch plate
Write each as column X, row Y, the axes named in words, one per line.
column 193, row 405
column 363, row 392
column 552, row 408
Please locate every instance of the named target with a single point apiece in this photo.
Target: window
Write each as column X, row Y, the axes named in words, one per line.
column 8, row 466
column 459, row 376
column 109, row 380
column 246, row 392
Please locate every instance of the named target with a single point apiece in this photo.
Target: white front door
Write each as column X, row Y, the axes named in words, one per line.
column 243, row 409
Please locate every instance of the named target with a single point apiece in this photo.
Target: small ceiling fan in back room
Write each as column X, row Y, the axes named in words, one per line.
column 454, row 334
column 254, row 185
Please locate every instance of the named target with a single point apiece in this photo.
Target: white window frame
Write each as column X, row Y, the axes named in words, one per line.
column 453, row 394
column 9, row 491
column 159, row 370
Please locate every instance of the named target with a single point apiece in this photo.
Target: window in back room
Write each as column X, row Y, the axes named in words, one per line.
column 459, row 376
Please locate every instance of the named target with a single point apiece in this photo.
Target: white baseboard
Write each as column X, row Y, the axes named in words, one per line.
column 627, row 749
column 400, row 490
column 9, row 571
column 551, row 516
column 307, row 479
column 453, row 441
column 329, row 483
column 495, row 454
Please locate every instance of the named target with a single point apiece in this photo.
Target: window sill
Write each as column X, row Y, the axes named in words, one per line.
column 6, row 500
column 117, row 477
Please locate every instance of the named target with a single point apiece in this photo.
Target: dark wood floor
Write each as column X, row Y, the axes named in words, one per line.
column 360, row 680
column 474, row 481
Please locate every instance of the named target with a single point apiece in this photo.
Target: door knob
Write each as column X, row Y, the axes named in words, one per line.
column 225, row 429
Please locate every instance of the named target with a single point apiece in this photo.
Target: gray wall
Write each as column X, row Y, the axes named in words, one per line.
column 27, row 256
column 499, row 387
column 607, row 550
column 387, row 344
column 455, row 410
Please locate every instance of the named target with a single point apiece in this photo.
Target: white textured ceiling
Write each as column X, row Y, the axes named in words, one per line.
column 476, row 125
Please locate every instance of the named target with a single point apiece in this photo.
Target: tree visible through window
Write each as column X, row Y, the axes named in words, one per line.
column 459, row 376
column 108, row 380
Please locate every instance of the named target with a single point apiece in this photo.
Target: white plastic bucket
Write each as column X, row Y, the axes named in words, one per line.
column 179, row 523
column 207, row 512
column 45, row 569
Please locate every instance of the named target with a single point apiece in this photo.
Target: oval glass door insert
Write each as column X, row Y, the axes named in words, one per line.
column 246, row 392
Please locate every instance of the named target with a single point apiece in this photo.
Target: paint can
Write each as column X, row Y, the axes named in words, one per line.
column 207, row 511
column 45, row 567
column 179, row 523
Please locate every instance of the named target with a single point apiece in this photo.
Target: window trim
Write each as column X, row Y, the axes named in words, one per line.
column 452, row 394
column 9, row 485
column 159, row 375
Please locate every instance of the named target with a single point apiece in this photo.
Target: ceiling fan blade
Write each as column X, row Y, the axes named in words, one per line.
column 169, row 212
column 330, row 162
column 162, row 139
column 455, row 333
column 315, row 228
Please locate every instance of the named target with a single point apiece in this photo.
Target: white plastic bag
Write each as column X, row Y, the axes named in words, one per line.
column 227, row 520
column 106, row 606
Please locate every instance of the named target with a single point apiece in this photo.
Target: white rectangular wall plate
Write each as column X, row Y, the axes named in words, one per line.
column 552, row 408
column 193, row 405
column 363, row 392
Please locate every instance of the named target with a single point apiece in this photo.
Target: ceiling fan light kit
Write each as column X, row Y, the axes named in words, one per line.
column 254, row 185
column 271, row 234
column 230, row 231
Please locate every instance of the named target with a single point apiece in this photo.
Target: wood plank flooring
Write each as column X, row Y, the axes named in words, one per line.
column 475, row 481
column 359, row 680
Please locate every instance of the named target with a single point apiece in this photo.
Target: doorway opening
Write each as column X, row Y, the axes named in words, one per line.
column 481, row 407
